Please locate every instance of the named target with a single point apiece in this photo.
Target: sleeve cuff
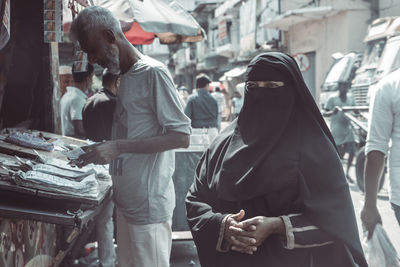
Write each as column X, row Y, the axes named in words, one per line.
column 288, row 243
column 221, row 245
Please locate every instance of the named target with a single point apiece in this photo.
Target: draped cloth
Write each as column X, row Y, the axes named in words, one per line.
column 277, row 158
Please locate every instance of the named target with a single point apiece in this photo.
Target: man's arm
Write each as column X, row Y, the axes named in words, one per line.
column 330, row 108
column 105, row 152
column 373, row 170
column 380, row 128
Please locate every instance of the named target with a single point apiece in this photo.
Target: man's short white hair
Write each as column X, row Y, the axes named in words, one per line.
column 92, row 19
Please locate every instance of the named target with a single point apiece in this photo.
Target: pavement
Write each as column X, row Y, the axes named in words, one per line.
column 184, row 252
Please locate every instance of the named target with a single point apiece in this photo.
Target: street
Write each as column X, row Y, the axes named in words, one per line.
column 184, row 252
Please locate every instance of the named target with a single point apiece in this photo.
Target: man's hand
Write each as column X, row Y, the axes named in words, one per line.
column 102, row 153
column 370, row 217
column 241, row 244
column 258, row 228
column 335, row 110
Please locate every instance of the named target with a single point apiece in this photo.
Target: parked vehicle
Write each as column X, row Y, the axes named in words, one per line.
column 379, row 35
column 380, row 57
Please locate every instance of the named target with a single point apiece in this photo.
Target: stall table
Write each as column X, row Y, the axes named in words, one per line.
column 37, row 227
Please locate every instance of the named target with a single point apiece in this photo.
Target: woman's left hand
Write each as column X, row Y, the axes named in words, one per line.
column 259, row 228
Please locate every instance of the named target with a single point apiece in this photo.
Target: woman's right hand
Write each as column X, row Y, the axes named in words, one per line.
column 236, row 241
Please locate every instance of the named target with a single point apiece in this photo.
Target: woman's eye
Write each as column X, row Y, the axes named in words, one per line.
column 273, row 85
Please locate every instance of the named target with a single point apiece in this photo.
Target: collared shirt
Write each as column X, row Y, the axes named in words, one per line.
column 340, row 126
column 202, row 109
column 147, row 105
column 71, row 106
column 384, row 127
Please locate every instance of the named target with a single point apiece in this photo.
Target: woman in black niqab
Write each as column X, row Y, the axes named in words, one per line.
column 278, row 159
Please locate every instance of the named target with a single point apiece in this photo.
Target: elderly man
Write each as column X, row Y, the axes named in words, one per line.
column 149, row 122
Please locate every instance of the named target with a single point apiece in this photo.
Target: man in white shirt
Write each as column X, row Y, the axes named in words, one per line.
column 384, row 126
column 73, row 101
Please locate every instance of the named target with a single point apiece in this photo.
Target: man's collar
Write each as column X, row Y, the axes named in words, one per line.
column 76, row 90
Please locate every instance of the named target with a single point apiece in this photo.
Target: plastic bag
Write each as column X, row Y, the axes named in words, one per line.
column 379, row 250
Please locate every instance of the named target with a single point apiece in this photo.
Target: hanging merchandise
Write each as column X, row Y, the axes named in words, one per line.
column 80, row 59
column 5, row 22
column 53, row 21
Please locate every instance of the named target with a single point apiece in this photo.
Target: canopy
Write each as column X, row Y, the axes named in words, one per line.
column 143, row 20
column 295, row 16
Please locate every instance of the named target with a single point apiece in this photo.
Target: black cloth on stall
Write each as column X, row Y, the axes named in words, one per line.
column 97, row 115
column 277, row 158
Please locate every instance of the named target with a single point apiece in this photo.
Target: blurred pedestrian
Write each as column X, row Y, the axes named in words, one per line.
column 74, row 100
column 99, row 109
column 270, row 190
column 148, row 124
column 383, row 137
column 237, row 103
column 183, row 93
column 202, row 108
column 340, row 126
column 97, row 116
column 220, row 98
column 66, row 79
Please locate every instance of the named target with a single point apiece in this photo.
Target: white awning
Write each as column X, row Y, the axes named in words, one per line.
column 295, row 16
column 236, row 72
column 224, row 7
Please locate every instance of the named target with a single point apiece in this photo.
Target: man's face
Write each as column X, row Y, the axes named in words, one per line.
column 102, row 52
column 65, row 80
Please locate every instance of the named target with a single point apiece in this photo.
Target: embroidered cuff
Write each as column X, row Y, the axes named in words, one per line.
column 221, row 245
column 289, row 242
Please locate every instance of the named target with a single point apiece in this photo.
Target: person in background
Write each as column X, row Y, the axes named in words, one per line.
column 340, row 126
column 201, row 107
column 383, row 128
column 99, row 109
column 66, row 79
column 97, row 117
column 183, row 92
column 271, row 190
column 237, row 103
column 73, row 101
column 148, row 124
column 220, row 98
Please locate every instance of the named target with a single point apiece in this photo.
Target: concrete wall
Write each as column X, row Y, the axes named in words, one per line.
column 389, row 8
column 337, row 4
column 342, row 32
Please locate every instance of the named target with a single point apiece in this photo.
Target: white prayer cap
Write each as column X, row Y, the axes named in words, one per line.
column 65, row 70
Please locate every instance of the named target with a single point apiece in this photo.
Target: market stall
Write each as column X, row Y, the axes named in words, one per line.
column 47, row 207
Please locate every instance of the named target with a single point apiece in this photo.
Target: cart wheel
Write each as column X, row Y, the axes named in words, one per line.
column 360, row 163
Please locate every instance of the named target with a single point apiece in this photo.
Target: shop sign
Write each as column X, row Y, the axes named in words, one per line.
column 303, row 61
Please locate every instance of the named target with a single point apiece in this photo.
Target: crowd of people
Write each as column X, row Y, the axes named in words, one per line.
column 270, row 190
